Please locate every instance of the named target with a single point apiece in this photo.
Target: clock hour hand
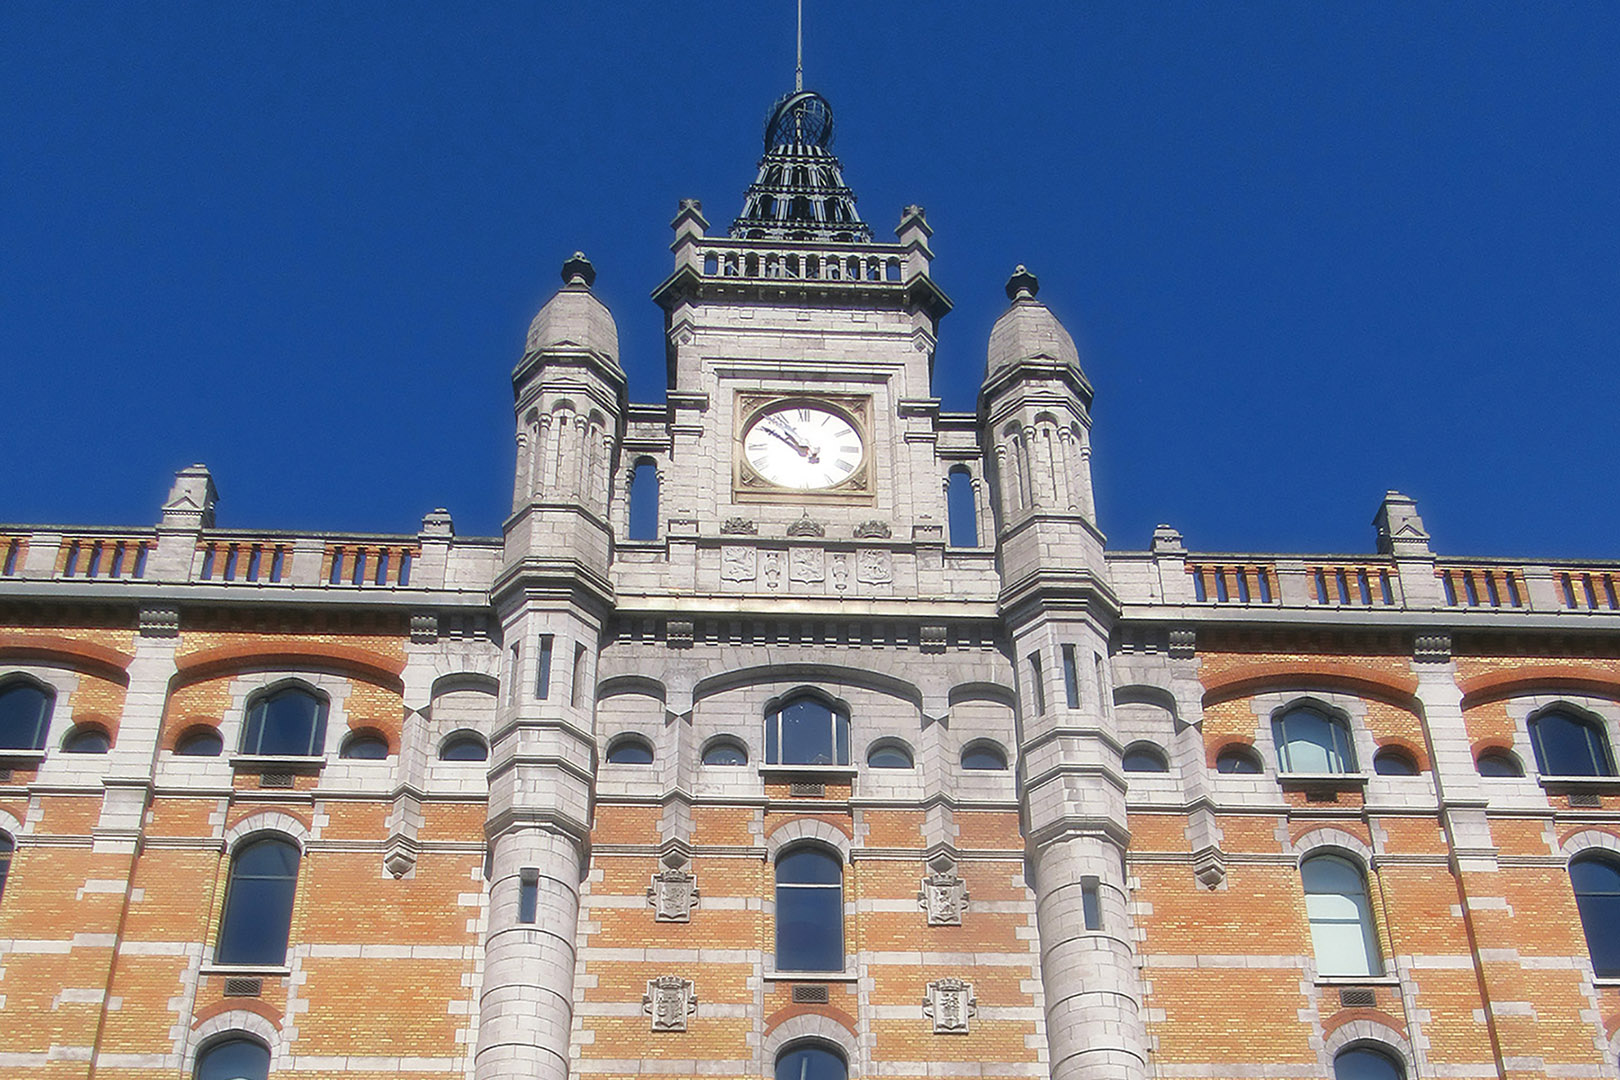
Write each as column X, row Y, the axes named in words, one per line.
column 786, row 437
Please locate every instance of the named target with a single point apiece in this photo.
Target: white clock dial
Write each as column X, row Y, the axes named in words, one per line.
column 803, row 446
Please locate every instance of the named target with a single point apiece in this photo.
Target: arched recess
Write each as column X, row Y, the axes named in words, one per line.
column 82, row 656
column 813, row 676
column 1372, row 1033
column 238, row 1019
column 807, row 830
column 268, row 821
column 1144, row 694
column 289, row 655
column 630, row 684
column 821, row 1026
column 1316, row 674
column 1328, row 841
column 1540, row 678
column 475, row 681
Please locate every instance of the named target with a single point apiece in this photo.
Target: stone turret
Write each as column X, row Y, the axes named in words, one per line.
column 1060, row 608
column 553, row 597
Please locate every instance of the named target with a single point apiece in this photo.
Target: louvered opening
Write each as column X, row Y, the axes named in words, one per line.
column 1321, row 795
column 807, row 790
column 1585, row 800
column 239, row 986
column 810, row 994
column 1357, row 997
column 5, row 776
column 276, row 780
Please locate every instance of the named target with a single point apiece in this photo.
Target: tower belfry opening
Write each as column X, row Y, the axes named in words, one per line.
column 799, row 192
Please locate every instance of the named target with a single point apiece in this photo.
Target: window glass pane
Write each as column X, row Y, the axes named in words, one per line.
column 528, row 900
column 464, row 748
column 1308, row 742
column 235, row 1059
column 889, row 756
column 630, row 752
column 983, row 757
column 960, row 511
column 807, row 734
column 1236, row 761
column 644, row 502
column 1393, row 763
column 724, row 753
column 811, row 1063
column 1340, row 918
column 200, row 744
column 86, row 741
column 366, row 747
column 1091, row 903
column 1499, row 764
column 6, row 847
column 287, row 723
column 1361, row 1064
column 258, row 904
column 1597, row 897
column 1143, row 759
column 1569, row 746
column 809, row 928
column 24, row 708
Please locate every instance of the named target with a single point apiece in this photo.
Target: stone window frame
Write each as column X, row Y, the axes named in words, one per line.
column 810, row 832
column 1332, row 841
column 247, row 687
column 232, row 1024
column 1582, row 843
column 1349, row 708
column 1366, row 1033
column 804, row 1028
column 630, row 737
column 265, row 825
column 62, row 682
column 1522, row 708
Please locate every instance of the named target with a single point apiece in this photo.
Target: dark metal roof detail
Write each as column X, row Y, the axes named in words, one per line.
column 799, row 193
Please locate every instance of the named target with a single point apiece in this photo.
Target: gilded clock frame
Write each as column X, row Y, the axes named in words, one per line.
column 747, row 485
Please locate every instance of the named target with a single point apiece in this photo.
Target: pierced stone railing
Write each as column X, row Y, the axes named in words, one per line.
column 1482, row 586
column 244, row 560
column 369, row 564
column 101, row 557
column 1345, row 584
column 1235, row 582
column 798, row 264
column 1588, row 590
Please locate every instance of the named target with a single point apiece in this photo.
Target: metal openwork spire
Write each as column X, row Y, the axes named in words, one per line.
column 799, row 193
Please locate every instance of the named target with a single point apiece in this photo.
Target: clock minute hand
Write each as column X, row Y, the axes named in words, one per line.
column 802, row 449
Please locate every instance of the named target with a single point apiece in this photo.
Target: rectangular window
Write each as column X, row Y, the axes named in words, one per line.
column 514, row 660
column 1037, row 687
column 1091, row 903
column 542, row 680
column 577, row 695
column 528, row 894
column 1071, row 678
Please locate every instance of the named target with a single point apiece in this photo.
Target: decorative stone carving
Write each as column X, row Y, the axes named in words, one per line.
column 679, row 633
column 673, row 894
column 669, row 1000
column 771, row 564
column 1209, row 866
column 874, row 567
column 1432, row 649
column 160, row 621
column 950, row 1004
column 840, row 570
column 1183, row 643
column 738, row 526
column 737, row 563
column 424, row 628
column 805, row 527
column 807, row 564
column 399, row 857
column 944, row 897
column 867, row 530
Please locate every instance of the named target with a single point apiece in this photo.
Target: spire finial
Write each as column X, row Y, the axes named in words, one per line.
column 798, row 64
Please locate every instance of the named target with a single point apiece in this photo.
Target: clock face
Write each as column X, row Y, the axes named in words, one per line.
column 803, row 446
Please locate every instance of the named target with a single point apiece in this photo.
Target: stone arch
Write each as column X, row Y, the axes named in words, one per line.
column 809, row 1027
column 807, row 831
column 1590, row 840
column 1372, row 1033
column 267, row 821
column 240, row 1020
column 1312, row 674
column 809, row 675
column 1327, row 841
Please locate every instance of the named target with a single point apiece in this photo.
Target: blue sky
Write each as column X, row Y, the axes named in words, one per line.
column 1310, row 251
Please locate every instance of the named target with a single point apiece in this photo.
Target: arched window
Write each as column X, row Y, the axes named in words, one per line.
column 87, row 739
column 644, row 501
column 7, row 846
column 258, row 903
column 1499, row 763
column 984, row 757
column 365, row 745
column 1237, row 759
column 464, row 746
column 809, row 910
column 811, row 1061
column 1340, row 916
column 1570, row 745
column 630, row 750
column 234, row 1059
column 1144, row 758
column 960, row 510
column 1365, row 1063
column 889, row 754
column 290, row 722
column 1597, row 897
column 1309, row 741
column 725, row 751
column 25, row 713
column 1393, row 761
column 807, row 731
column 200, row 742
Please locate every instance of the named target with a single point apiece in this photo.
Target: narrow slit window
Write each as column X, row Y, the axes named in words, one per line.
column 644, row 495
column 1071, row 678
column 1383, row 587
column 1265, row 585
column 336, row 577
column 94, row 567
column 1199, row 592
column 405, row 568
column 542, row 679
column 578, row 695
column 278, row 563
column 255, row 560
column 73, row 562
column 1091, row 903
column 1036, row 683
column 117, row 567
column 1321, row 588
column 381, row 577
column 528, row 894
column 230, row 564
column 140, row 561
column 11, row 558
column 960, row 511
column 359, row 567
column 514, row 664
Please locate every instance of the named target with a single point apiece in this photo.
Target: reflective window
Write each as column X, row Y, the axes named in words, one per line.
column 1363, row 1063
column 7, row 846
column 290, row 722
column 1144, row 759
column 1311, row 742
column 811, row 1061
column 1597, row 897
column 1340, row 916
column 25, row 712
column 1499, row 763
column 804, row 731
column 809, row 911
column 1391, row 761
column 365, row 746
column 960, row 511
column 725, row 752
column 1569, row 745
column 889, row 755
column 630, row 751
column 464, row 746
column 87, row 739
column 644, row 502
column 200, row 742
column 983, row 756
column 1237, row 759
column 258, row 903
column 234, row 1059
